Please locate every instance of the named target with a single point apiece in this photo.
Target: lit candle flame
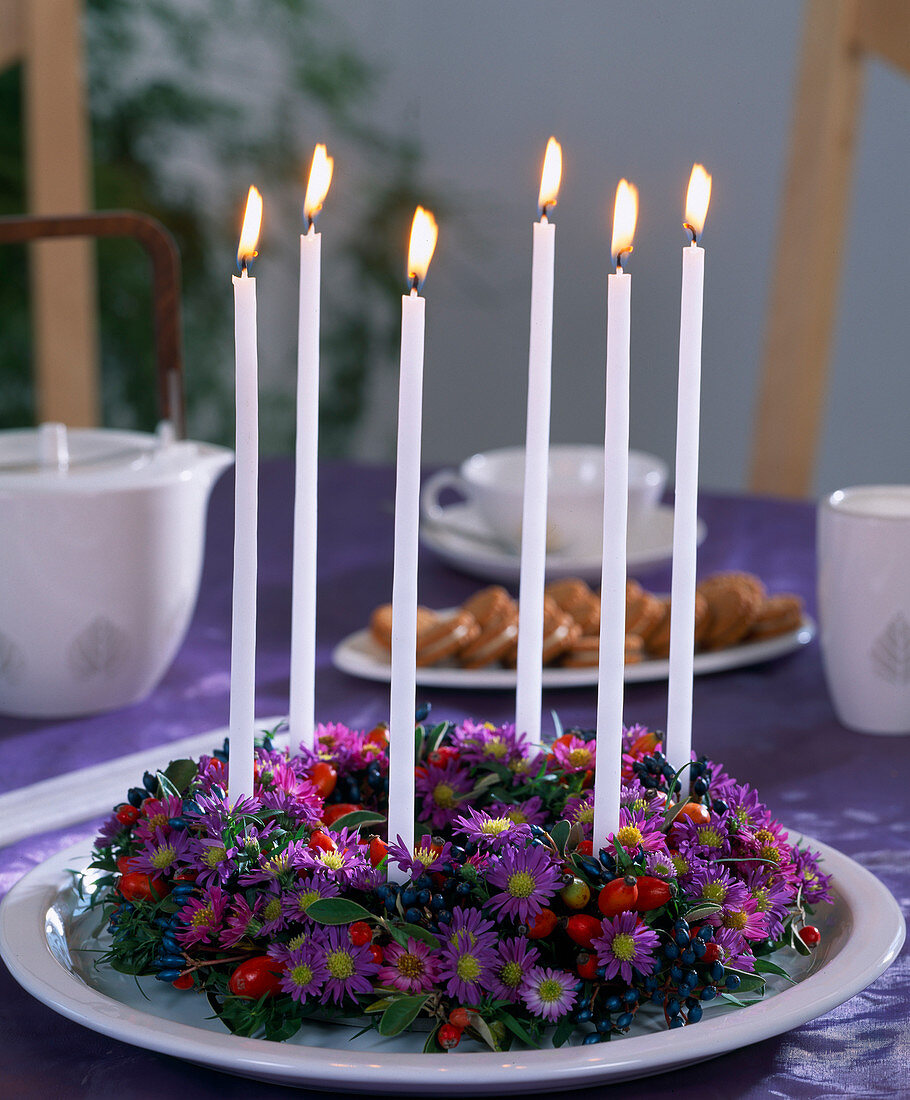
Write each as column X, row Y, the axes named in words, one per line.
column 424, row 232
column 318, row 185
column 550, row 176
column 697, row 198
column 249, row 234
column 625, row 215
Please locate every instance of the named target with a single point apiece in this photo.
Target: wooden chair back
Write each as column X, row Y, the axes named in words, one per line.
column 839, row 35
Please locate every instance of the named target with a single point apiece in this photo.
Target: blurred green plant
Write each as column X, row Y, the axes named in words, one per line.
column 191, row 100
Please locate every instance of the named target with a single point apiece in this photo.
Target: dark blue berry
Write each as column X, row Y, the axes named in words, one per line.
column 408, row 896
column 150, row 782
column 673, row 1007
column 583, row 1015
column 136, row 796
column 733, row 981
column 170, row 961
column 708, row 993
column 630, row 996
column 603, row 1024
column 700, row 786
column 688, row 956
column 671, row 951
column 719, row 806
column 422, row 713
column 444, row 916
column 676, row 974
column 423, row 897
column 657, row 997
column 593, row 1037
column 167, row 975
column 458, row 854
column 625, row 1020
column 706, row 932
column 677, row 1021
column 413, row 916
column 613, row 1004
column 695, row 1014
column 717, row 971
column 437, row 902
column 177, row 822
column 698, row 948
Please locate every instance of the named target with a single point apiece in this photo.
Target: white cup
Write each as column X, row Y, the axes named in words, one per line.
column 864, row 605
column 493, row 483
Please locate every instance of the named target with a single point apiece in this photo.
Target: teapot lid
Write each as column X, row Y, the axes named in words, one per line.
column 53, row 457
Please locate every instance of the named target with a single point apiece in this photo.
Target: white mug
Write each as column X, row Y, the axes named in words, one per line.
column 493, row 483
column 864, row 605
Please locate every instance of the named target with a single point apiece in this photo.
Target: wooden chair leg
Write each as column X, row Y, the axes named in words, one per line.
column 62, row 272
column 807, row 253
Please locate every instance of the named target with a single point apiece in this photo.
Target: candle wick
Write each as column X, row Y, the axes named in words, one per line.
column 693, row 236
column 414, row 284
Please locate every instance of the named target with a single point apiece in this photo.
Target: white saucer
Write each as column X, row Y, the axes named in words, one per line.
column 359, row 655
column 47, row 941
column 464, row 541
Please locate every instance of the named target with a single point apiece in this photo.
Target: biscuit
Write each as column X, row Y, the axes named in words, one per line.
column 777, row 615
column 644, row 612
column 585, row 651
column 560, row 632
column 439, row 635
column 658, row 641
column 497, row 615
column 574, row 597
column 733, row 602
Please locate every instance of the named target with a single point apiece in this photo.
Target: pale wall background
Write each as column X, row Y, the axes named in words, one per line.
column 642, row 90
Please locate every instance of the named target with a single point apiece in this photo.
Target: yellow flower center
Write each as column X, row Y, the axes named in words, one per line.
column 714, row 891
column 157, row 821
column 163, row 857
column 736, row 920
column 680, row 864
column 302, row 974
column 214, row 856
column 468, row 968
column 549, row 990
column 623, row 947
column 510, row 974
column 521, row 884
column 340, row 964
column 304, row 901
column 444, row 796
column 202, row 917
column 496, row 825
column 410, row 966
column 332, row 860
column 584, row 815
column 762, row 901
column 629, row 836
column 709, row 837
column 517, row 817
column 272, row 910
column 425, row 855
column 495, row 747
column 297, row 941
column 580, row 758
column 770, row 853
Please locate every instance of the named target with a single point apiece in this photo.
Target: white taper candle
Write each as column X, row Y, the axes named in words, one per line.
column 685, row 514
column 611, row 661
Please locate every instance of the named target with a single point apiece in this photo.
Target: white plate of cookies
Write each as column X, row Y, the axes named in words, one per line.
column 474, row 646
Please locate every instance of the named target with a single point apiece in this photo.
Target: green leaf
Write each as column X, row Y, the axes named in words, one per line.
column 557, row 725
column 748, row 982
column 702, row 909
column 765, row 966
column 166, row 788
column 559, row 834
column 337, row 911
column 400, row 1014
column 431, row 1046
column 482, row 1029
column 415, row 931
column 356, row 819
column 436, row 734
column 517, row 1028
column 181, row 774
column 734, row 1000
column 379, row 1006
column 564, row 1029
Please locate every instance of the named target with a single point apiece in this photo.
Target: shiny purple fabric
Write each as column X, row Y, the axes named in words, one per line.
column 772, row 725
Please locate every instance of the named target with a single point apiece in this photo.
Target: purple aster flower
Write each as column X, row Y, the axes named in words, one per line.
column 346, row 862
column 529, row 812
column 155, row 813
column 110, row 830
column 203, row 918
column 350, row 967
column 710, row 840
column 469, row 925
column 410, row 969
column 282, row 951
column 815, row 884
column 734, row 950
column 210, row 860
column 746, row 809
column 772, row 896
column 631, row 734
column 528, row 878
column 713, row 882
column 491, row 832
column 581, row 809
column 243, row 922
column 744, row 919
column 161, row 851
column 273, row 915
column 273, row 863
column 548, row 993
column 310, row 888
column 660, row 865
column 467, row 968
column 575, row 755
column 441, row 790
column 640, row 832
column 304, row 973
column 428, row 856
column 626, row 942
column 514, row 959
column 484, row 743
column 216, row 810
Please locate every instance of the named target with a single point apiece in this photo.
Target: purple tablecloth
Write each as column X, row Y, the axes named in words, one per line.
column 771, row 724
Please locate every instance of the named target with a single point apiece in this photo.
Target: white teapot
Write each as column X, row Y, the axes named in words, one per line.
column 101, row 544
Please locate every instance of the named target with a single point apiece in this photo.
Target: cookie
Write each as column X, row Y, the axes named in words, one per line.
column 585, row 650
column 575, row 598
column 644, row 612
column 560, row 631
column 657, row 642
column 497, row 615
column 777, row 615
column 733, row 602
column 439, row 635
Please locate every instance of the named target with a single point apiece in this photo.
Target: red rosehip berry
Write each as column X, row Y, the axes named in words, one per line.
column 460, row 1018
column 582, row 928
column 127, row 814
column 810, row 935
column 376, row 953
column 618, row 896
column 185, row 981
column 542, row 925
column 448, row 1036
column 652, row 893
column 255, row 978
column 360, row 933
column 587, row 967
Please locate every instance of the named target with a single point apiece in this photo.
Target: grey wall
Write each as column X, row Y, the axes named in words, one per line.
column 642, row 90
